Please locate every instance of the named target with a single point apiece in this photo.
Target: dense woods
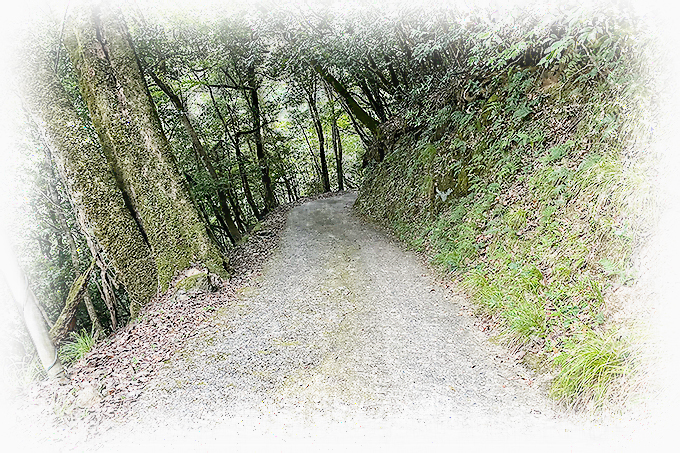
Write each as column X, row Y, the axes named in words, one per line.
column 159, row 141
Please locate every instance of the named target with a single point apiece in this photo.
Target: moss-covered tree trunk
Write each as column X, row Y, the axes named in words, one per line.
column 130, row 132
column 66, row 231
column 100, row 207
column 60, row 329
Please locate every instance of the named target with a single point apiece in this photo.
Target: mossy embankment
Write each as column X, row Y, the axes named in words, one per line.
column 524, row 179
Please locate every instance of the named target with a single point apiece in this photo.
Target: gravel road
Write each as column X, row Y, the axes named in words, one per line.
column 344, row 339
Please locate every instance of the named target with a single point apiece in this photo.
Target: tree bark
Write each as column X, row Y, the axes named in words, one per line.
column 269, row 199
column 361, row 115
column 130, row 131
column 75, row 259
column 235, row 139
column 337, row 143
column 60, row 330
column 316, row 120
column 337, row 150
column 100, row 207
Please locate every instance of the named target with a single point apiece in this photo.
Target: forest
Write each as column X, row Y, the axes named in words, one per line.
column 509, row 145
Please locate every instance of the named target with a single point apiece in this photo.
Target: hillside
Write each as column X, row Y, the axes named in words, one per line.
column 526, row 179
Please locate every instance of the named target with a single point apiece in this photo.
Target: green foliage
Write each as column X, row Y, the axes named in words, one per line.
column 539, row 124
column 74, row 350
column 591, row 365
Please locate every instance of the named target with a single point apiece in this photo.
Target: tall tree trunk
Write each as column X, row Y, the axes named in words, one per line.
column 361, row 115
column 233, row 201
column 199, row 149
column 130, row 131
column 337, row 150
column 244, row 177
column 220, row 219
column 337, row 143
column 311, row 151
column 101, row 208
column 269, row 198
column 311, row 102
column 235, row 139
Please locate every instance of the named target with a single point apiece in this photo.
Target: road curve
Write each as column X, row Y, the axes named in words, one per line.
column 345, row 338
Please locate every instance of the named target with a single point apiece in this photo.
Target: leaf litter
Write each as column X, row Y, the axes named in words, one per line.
column 104, row 385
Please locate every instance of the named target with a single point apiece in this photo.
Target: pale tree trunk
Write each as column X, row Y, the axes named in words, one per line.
column 100, row 208
column 132, row 138
column 17, row 282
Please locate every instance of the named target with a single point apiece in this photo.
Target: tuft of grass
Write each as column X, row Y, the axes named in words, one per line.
column 76, row 349
column 526, row 320
column 590, row 368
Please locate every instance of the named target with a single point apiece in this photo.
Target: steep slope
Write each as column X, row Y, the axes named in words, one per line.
column 524, row 179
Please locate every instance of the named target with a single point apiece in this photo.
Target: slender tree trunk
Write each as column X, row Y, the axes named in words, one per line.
column 233, row 201
column 199, row 149
column 107, row 293
column 130, row 131
column 244, row 177
column 25, row 300
column 235, row 138
column 337, row 143
column 203, row 213
column 60, row 329
column 325, row 180
column 220, row 219
column 337, row 150
column 269, row 198
column 75, row 259
column 373, row 99
column 311, row 151
column 360, row 114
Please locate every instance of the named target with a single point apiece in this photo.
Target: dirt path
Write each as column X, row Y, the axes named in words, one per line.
column 344, row 339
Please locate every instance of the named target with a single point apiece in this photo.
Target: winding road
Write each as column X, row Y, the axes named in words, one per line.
column 345, row 339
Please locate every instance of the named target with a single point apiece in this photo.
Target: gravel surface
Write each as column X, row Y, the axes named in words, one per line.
column 344, row 339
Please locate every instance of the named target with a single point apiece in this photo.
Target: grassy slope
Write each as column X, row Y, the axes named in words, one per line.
column 532, row 198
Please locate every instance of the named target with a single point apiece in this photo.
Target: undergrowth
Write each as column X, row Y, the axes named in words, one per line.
column 534, row 196
column 74, row 350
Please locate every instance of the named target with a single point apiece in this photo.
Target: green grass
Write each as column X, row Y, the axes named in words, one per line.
column 76, row 349
column 591, row 367
column 553, row 210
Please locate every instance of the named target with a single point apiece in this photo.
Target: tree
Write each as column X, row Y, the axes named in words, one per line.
column 337, row 142
column 137, row 150
column 201, row 155
column 100, row 205
column 318, row 127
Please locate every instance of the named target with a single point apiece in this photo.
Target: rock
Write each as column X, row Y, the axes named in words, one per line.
column 194, row 280
column 87, row 397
